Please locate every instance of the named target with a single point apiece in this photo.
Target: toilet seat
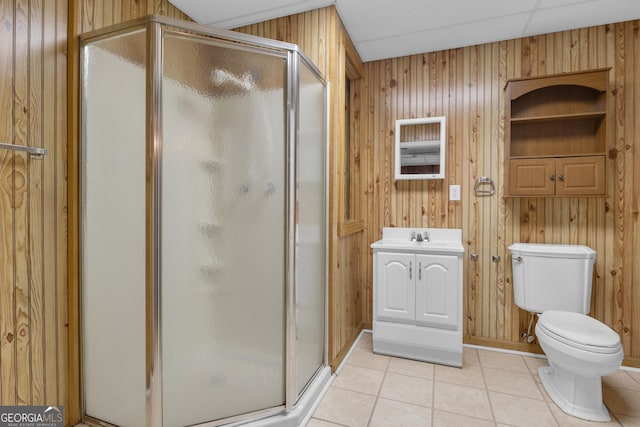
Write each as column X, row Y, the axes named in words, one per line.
column 579, row 331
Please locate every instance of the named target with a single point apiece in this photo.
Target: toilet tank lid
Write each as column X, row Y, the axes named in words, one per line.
column 552, row 250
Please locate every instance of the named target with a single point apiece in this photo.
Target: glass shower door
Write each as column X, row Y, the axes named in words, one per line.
column 311, row 233
column 113, row 213
column 223, row 196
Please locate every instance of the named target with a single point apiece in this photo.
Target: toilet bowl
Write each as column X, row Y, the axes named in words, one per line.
column 556, row 280
column 580, row 350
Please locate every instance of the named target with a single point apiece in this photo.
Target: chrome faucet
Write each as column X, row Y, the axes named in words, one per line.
column 419, row 238
column 427, row 237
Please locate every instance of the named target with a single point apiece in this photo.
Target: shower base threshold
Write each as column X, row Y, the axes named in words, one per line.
column 303, row 410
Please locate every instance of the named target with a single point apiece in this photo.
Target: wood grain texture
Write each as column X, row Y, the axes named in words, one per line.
column 39, row 354
column 466, row 85
column 31, row 254
column 38, row 363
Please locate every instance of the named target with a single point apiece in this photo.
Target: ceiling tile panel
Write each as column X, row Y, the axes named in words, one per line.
column 386, row 29
column 443, row 38
column 583, row 15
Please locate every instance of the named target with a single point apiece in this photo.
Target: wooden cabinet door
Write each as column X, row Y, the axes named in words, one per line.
column 395, row 280
column 437, row 291
column 580, row 176
column 532, row 177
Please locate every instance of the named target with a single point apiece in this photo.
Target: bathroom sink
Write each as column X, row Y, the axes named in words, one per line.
column 441, row 240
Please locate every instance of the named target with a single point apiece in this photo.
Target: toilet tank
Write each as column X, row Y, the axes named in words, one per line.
column 552, row 277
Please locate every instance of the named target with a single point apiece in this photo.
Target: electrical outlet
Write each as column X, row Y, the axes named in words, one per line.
column 454, row 192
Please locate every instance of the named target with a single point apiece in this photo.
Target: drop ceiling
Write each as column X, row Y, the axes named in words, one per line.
column 385, row 29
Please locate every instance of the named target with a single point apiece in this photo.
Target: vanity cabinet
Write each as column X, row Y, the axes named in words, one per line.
column 555, row 134
column 418, row 289
column 418, row 295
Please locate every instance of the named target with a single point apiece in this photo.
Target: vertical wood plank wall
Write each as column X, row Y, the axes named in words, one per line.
column 463, row 84
column 466, row 85
column 322, row 37
column 34, row 278
column 33, row 203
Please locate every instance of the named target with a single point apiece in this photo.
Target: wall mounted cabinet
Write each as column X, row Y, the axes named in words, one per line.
column 420, row 148
column 555, row 137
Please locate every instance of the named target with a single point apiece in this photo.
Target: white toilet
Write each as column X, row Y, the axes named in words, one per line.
column 555, row 280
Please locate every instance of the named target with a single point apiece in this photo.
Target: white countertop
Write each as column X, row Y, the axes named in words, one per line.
column 441, row 240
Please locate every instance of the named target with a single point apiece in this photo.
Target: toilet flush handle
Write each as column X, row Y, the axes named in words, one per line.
column 518, row 258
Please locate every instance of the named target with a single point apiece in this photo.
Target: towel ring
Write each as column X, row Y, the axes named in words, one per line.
column 484, row 180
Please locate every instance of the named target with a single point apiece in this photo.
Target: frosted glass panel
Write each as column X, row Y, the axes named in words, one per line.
column 113, row 223
column 311, row 236
column 223, row 231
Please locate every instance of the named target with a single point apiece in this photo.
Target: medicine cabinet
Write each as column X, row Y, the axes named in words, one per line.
column 420, row 148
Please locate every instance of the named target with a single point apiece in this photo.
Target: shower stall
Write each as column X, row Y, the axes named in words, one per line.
column 203, row 227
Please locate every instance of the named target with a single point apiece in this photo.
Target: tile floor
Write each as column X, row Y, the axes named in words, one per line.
column 492, row 389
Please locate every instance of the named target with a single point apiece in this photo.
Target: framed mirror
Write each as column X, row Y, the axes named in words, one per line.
column 420, row 148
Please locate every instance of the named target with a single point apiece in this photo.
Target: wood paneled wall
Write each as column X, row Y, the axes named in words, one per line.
column 466, row 85
column 37, row 365
column 322, row 37
column 33, row 203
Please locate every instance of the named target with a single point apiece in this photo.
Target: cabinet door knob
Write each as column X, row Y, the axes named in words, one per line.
column 560, row 177
column 409, row 269
column 420, row 271
column 552, row 177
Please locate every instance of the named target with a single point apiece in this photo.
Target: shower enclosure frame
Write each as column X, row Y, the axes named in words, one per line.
column 155, row 26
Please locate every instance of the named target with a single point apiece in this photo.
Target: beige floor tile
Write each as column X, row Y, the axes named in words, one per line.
column 366, row 341
column 521, row 411
column 447, row 419
column 533, row 363
column 345, row 407
column 414, row 368
column 499, row 360
column 388, row 413
column 357, row 378
column 468, row 375
column 512, row 383
column 621, row 379
column 462, row 400
column 417, row 391
column 628, row 421
column 622, row 401
column 635, row 375
column 314, row 422
column 367, row 359
column 470, row 356
column 544, row 393
column 566, row 420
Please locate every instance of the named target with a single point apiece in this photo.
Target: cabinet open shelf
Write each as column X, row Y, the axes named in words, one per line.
column 555, row 138
column 560, row 117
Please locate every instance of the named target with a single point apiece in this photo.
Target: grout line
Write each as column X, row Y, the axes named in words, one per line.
column 375, row 402
column 486, row 389
column 433, row 395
